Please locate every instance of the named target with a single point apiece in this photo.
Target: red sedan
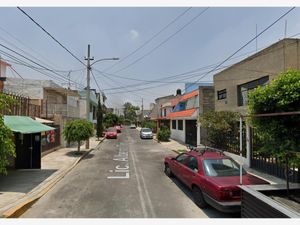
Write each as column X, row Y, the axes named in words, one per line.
column 213, row 178
column 111, row 133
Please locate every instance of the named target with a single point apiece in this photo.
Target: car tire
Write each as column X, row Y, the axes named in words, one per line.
column 168, row 171
column 198, row 197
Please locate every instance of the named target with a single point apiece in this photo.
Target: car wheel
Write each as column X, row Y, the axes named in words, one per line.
column 168, row 171
column 198, row 197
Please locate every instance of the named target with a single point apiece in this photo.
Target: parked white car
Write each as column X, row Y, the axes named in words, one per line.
column 146, row 133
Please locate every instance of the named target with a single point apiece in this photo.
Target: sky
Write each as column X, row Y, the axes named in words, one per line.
column 193, row 39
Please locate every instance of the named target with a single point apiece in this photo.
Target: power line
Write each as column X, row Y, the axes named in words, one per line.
column 165, row 41
column 51, row 36
column 150, row 39
column 22, row 43
column 16, row 72
column 30, row 66
column 256, row 36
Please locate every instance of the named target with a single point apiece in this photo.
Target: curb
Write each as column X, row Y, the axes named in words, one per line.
column 31, row 197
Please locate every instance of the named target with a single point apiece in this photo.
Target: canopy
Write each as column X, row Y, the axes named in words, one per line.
column 25, row 125
column 43, row 120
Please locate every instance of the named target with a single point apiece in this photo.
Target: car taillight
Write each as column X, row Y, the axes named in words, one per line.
column 227, row 194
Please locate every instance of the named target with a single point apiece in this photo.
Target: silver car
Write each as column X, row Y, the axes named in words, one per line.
column 146, row 133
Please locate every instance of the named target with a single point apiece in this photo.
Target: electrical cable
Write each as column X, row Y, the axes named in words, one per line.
column 149, row 40
column 51, row 36
column 163, row 42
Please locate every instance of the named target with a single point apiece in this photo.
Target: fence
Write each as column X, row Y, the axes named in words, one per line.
column 268, row 163
column 23, row 107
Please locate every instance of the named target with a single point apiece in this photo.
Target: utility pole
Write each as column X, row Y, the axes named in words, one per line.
column 142, row 110
column 88, row 68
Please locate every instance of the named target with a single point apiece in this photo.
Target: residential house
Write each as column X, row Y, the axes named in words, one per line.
column 156, row 112
column 233, row 84
column 57, row 103
column 93, row 105
column 185, row 127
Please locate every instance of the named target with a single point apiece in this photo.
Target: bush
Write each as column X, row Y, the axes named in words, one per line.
column 163, row 134
column 278, row 134
column 222, row 128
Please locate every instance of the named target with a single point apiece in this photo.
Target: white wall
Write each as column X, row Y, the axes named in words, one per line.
column 178, row 135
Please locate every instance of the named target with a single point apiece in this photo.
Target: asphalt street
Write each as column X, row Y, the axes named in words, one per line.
column 122, row 178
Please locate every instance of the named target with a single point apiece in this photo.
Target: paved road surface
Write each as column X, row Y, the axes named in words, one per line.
column 123, row 178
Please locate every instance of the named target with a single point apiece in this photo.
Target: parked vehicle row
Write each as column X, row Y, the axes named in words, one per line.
column 212, row 177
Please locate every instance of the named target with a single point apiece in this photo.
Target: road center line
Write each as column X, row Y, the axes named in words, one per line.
column 143, row 204
column 153, row 215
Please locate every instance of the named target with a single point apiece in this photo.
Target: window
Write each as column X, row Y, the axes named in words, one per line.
column 180, row 124
column 181, row 158
column 221, row 168
column 243, row 89
column 174, row 124
column 222, row 94
column 192, row 163
column 165, row 112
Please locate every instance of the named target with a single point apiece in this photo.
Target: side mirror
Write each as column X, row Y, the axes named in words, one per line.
column 173, row 158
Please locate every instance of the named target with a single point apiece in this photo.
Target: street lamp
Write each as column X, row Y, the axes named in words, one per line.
column 88, row 67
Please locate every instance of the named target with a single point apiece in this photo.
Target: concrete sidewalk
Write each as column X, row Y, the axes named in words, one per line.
column 22, row 187
column 178, row 147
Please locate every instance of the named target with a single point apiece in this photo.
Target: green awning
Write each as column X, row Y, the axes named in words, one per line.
column 25, row 125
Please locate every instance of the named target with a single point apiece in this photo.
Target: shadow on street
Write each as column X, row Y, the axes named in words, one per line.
column 209, row 211
column 23, row 181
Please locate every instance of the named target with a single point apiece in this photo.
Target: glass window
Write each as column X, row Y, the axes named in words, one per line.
column 221, row 168
column 180, row 124
column 243, row 89
column 174, row 124
column 181, row 158
column 146, row 130
column 222, row 94
column 192, row 163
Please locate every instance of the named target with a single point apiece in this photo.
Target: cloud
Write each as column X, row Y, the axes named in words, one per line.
column 134, row 34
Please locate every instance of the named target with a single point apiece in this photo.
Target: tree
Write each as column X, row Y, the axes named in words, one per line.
column 111, row 120
column 7, row 146
column 149, row 124
column 77, row 131
column 222, row 128
column 279, row 134
column 130, row 112
column 99, row 120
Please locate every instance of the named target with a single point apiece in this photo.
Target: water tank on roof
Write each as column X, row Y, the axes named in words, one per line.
column 178, row 92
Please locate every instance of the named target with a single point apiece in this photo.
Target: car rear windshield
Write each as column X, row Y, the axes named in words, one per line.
column 111, row 130
column 146, row 130
column 221, row 168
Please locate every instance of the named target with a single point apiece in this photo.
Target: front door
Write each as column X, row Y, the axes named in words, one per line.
column 28, row 151
column 191, row 132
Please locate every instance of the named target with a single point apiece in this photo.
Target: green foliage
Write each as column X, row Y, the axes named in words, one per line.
column 99, row 127
column 149, row 124
column 130, row 112
column 7, row 146
column 163, row 134
column 110, row 120
column 77, row 131
column 278, row 134
column 222, row 128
